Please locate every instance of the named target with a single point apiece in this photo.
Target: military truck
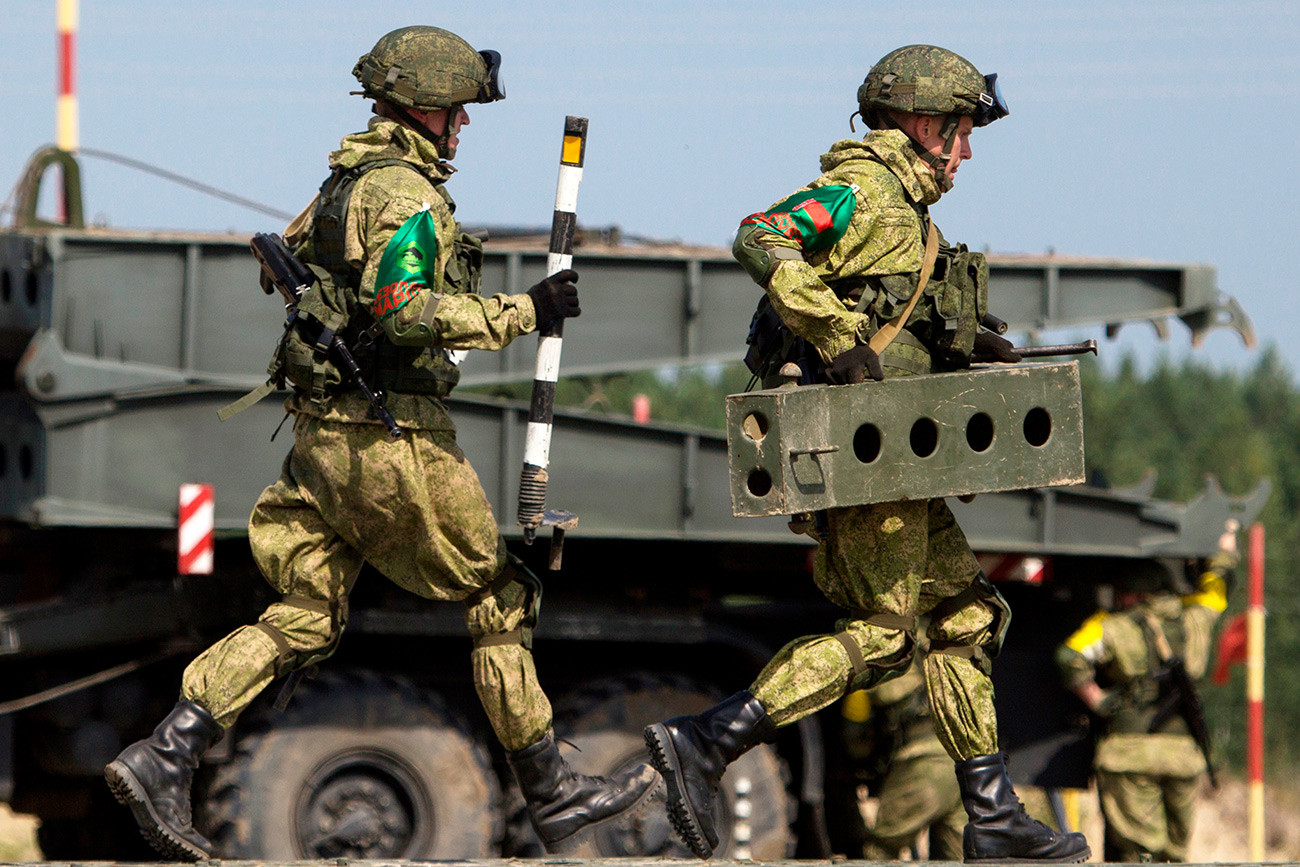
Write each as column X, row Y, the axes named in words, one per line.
column 118, row 347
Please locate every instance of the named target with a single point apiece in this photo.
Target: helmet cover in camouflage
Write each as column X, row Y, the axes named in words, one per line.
column 926, row 79
column 428, row 68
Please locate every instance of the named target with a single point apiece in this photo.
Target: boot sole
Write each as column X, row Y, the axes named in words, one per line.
column 680, row 813
column 1070, row 859
column 577, row 837
column 131, row 794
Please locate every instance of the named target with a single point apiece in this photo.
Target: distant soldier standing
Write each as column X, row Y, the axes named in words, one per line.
column 863, row 285
column 889, row 729
column 400, row 285
column 1147, row 778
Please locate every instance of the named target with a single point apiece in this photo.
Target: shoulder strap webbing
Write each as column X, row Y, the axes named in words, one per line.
column 330, row 217
column 890, row 329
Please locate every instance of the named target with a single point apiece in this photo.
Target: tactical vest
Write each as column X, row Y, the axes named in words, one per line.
column 1141, row 696
column 333, row 303
column 939, row 335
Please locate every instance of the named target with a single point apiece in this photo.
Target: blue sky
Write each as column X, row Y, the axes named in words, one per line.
column 1161, row 130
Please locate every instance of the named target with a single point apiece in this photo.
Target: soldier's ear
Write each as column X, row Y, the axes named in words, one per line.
column 926, row 126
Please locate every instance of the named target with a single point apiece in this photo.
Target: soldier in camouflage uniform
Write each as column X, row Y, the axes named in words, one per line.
column 889, row 732
column 863, row 286
column 1147, row 779
column 399, row 283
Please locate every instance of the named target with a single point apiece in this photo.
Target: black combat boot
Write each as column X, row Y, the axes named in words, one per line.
column 562, row 802
column 153, row 777
column 692, row 752
column 999, row 829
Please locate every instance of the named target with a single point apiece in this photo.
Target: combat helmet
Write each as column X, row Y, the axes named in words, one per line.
column 428, row 68
column 1148, row 576
column 926, row 79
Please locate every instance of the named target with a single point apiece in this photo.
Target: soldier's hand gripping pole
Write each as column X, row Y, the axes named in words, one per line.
column 537, row 439
column 283, row 271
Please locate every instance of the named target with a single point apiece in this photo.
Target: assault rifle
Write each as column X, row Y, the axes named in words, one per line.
column 998, row 326
column 1180, row 697
column 284, row 272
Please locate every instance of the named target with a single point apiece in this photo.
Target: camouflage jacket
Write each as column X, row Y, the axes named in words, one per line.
column 876, row 246
column 448, row 315
column 1117, row 650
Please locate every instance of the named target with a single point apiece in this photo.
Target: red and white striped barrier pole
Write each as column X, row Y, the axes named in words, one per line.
column 194, row 530
column 1255, row 693
column 537, row 438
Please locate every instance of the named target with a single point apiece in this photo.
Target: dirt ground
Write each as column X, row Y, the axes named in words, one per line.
column 1221, row 826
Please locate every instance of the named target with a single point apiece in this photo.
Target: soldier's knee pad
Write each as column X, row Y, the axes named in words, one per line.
column 514, row 572
column 333, row 614
column 980, row 592
column 868, row 672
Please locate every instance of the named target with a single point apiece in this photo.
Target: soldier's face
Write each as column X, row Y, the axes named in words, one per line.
column 438, row 121
column 930, row 136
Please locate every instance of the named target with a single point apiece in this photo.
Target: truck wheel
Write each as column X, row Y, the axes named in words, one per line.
column 359, row 766
column 605, row 721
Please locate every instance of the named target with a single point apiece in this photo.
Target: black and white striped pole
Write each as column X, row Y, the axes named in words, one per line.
column 537, row 440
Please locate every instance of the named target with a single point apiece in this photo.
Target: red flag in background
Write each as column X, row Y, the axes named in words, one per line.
column 1232, row 649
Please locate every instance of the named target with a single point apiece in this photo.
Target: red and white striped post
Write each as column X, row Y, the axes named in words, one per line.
column 66, row 133
column 1255, row 693
column 194, row 530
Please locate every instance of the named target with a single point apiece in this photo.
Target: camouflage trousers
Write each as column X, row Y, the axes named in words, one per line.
column 1147, row 785
column 1147, row 814
column 901, row 559
column 919, row 791
column 415, row 510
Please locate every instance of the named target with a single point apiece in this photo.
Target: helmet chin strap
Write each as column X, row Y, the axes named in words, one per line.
column 939, row 163
column 440, row 141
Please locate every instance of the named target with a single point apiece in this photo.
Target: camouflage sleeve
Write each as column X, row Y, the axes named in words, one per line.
column 421, row 314
column 1201, row 611
column 470, row 321
column 774, row 247
column 1078, row 657
column 1212, row 590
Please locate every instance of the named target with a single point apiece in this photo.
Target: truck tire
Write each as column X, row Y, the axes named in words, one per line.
column 605, row 721
column 358, row 766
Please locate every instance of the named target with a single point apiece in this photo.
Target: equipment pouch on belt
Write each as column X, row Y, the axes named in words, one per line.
column 304, row 349
column 464, row 271
column 959, row 292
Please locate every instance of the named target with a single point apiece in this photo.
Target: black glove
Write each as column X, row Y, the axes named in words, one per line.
column 990, row 345
column 556, row 297
column 855, row 365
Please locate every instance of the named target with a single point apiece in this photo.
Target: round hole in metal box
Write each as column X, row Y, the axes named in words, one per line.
column 866, row 443
column 755, row 426
column 759, row 482
column 924, row 437
column 979, row 432
column 1038, row 426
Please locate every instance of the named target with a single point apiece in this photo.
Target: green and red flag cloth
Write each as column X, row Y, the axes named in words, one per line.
column 407, row 265
column 816, row 218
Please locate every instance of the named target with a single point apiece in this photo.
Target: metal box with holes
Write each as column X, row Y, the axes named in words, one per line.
column 801, row 449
